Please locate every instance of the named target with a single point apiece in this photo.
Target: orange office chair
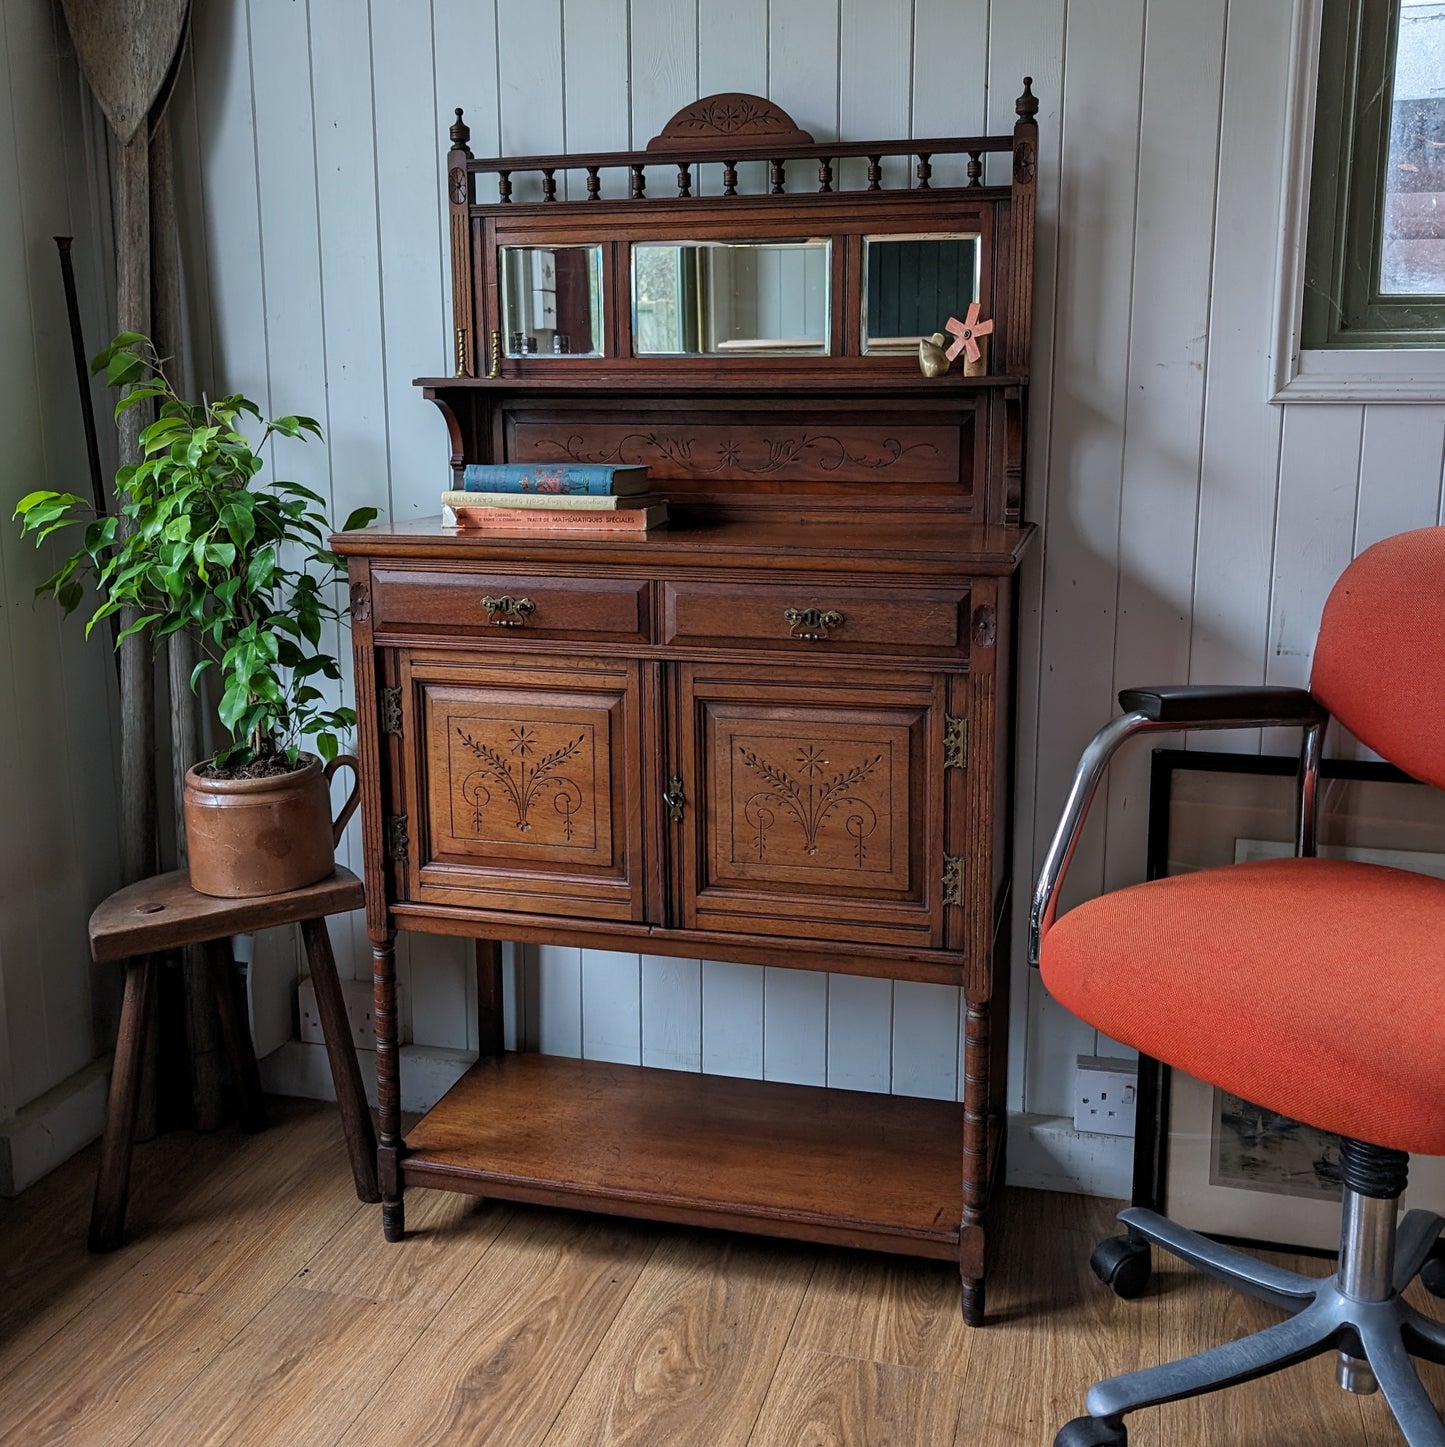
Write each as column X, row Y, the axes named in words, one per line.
column 1303, row 985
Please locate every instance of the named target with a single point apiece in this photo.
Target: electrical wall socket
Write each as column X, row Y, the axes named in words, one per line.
column 1106, row 1095
column 357, row 996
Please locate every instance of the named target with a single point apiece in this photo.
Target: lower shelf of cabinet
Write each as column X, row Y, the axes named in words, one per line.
column 840, row 1166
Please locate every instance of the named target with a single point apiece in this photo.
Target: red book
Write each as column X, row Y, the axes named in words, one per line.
column 546, row 520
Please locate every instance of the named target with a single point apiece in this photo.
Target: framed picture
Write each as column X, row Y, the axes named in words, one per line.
column 1208, row 1159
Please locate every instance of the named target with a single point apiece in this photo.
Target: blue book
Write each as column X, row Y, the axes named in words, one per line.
column 593, row 480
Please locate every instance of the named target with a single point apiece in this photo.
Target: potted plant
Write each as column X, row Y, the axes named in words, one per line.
column 202, row 545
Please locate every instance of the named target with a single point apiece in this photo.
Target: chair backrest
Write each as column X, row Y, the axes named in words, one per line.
column 1379, row 663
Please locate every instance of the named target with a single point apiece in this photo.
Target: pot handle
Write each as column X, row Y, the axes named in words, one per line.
column 352, row 799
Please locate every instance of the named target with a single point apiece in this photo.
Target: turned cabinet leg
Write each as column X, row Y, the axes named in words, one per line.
column 972, row 1300
column 388, row 1087
column 112, row 1184
column 975, row 1156
column 236, row 1033
column 345, row 1073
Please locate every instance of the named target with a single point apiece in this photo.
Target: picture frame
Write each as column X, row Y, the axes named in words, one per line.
column 1208, row 1160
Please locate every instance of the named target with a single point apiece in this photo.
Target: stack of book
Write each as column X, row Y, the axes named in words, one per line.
column 537, row 497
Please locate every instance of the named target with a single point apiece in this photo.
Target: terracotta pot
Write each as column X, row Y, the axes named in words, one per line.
column 264, row 836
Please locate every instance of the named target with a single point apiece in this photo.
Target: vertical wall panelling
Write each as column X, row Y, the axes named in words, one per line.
column 875, row 81
column 612, row 1006
column 732, row 1019
column 529, row 84
column 671, row 1012
column 950, row 77
column 1028, row 39
column 407, row 182
column 1318, row 493
column 554, row 999
column 1240, row 455
column 795, row 1026
column 1164, row 395
column 860, row 1033
column 58, row 853
column 732, row 54
column 52, row 758
column 24, row 631
column 1186, row 533
column 803, row 69
column 926, row 1040
column 663, row 40
column 1402, row 456
column 594, row 67
column 1090, row 401
column 1173, row 250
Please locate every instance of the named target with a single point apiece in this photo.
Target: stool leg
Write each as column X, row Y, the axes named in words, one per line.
column 236, row 1033
column 112, row 1184
column 345, row 1073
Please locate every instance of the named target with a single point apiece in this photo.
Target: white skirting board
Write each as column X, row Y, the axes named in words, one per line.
column 1046, row 1153
column 53, row 1127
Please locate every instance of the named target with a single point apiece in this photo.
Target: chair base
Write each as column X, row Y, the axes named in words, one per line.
column 1382, row 1333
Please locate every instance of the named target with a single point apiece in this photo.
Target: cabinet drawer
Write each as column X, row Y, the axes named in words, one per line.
column 817, row 616
column 508, row 607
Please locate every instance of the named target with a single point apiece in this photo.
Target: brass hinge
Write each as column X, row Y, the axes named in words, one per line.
column 953, row 879
column 955, row 742
column 398, row 840
column 391, row 710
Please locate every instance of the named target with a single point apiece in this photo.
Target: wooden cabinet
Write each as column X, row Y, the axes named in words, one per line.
column 776, row 731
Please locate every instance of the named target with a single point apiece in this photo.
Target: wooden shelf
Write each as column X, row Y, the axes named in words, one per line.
column 840, row 1166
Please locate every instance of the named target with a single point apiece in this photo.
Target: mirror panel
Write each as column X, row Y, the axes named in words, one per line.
column 552, row 300
column 722, row 298
column 913, row 284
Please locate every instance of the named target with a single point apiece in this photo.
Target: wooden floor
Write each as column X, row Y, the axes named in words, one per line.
column 257, row 1302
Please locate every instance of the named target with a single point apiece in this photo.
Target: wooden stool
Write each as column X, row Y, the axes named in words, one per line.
column 139, row 922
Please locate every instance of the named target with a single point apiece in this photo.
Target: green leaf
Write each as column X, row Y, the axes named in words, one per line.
column 139, row 626
column 359, row 518
column 199, row 669
column 260, row 570
column 123, row 367
column 237, row 520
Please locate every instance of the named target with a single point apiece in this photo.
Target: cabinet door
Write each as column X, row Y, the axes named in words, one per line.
column 526, row 781
column 818, row 803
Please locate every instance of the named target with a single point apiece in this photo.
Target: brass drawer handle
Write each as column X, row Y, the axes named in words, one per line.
column 811, row 623
column 674, row 798
column 507, row 611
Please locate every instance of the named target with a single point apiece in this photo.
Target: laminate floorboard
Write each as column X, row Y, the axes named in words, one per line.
column 255, row 1302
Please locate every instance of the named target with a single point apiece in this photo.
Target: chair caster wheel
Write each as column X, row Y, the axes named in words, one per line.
column 1123, row 1265
column 1432, row 1273
column 1092, row 1432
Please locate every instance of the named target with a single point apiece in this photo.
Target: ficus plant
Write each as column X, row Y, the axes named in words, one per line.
column 203, row 545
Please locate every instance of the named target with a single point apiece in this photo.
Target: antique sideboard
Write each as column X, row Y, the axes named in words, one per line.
column 776, row 731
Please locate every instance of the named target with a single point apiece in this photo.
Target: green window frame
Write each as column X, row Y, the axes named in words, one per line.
column 1343, row 303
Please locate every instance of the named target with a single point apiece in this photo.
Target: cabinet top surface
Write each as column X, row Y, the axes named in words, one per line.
column 937, row 543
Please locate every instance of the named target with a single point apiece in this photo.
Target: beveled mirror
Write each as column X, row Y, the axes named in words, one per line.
column 913, row 284
column 711, row 298
column 552, row 300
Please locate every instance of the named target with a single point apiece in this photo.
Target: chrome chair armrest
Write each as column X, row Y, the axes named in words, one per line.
column 1170, row 710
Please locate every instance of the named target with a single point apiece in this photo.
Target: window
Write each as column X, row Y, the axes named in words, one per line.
column 1375, row 255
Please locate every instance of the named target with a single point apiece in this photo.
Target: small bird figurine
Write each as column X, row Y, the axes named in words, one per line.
column 933, row 361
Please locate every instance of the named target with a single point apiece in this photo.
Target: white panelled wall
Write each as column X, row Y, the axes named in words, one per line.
column 58, row 846
column 1190, row 528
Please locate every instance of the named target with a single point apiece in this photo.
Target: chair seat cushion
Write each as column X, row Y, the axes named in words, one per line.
column 1312, row 987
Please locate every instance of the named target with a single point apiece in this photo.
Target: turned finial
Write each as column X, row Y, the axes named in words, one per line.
column 460, row 132
column 1026, row 106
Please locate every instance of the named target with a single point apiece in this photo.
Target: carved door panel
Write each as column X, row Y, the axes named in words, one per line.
column 818, row 808
column 526, row 785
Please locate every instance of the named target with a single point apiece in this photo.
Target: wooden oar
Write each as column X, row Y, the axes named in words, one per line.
column 125, row 49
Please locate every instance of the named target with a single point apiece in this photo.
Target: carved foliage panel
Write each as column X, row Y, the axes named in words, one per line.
column 517, row 777
column 813, row 801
